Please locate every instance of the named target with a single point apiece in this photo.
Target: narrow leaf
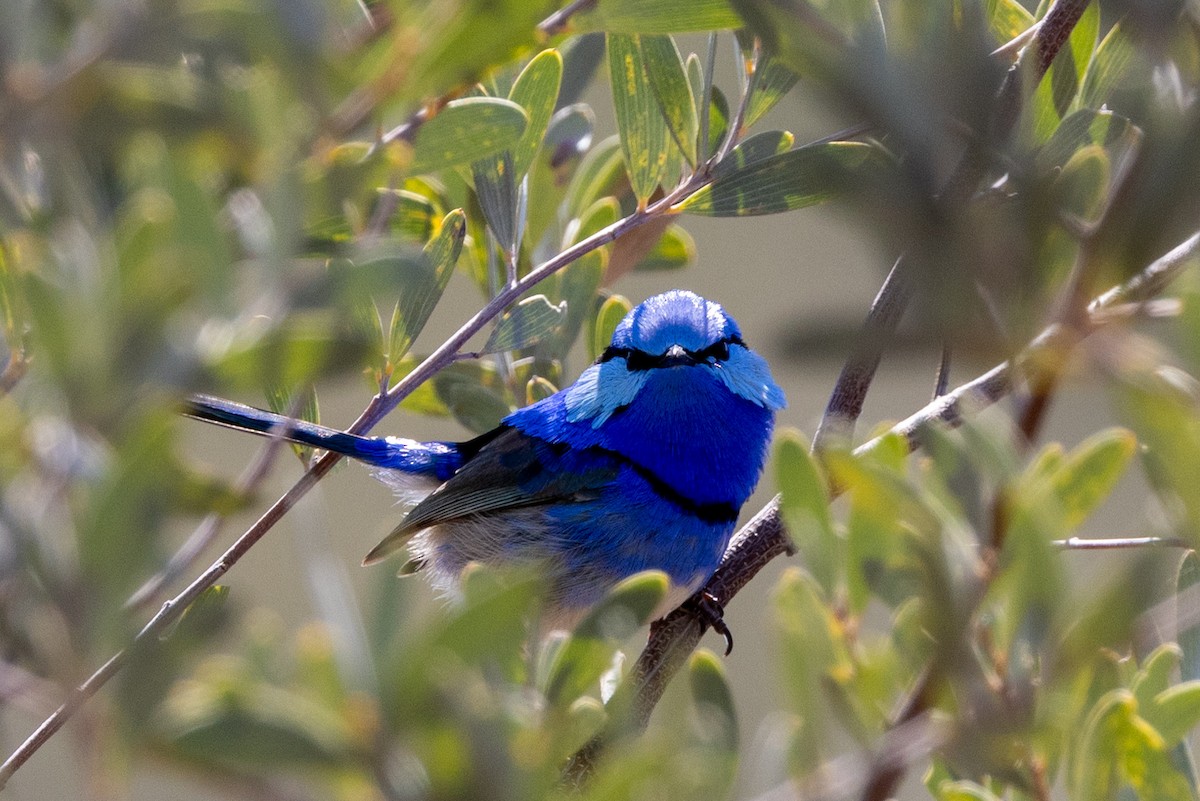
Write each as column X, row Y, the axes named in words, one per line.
column 659, row 16
column 525, row 324
column 753, row 149
column 643, row 131
column 804, row 507
column 669, row 82
column 536, row 91
column 425, row 283
column 785, row 182
column 775, row 79
column 496, row 188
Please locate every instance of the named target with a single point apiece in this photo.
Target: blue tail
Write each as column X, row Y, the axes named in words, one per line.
column 438, row 460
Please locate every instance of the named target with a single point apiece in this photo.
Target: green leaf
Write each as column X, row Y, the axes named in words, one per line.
column 580, row 662
column 804, row 508
column 536, row 91
column 596, row 177
column 525, row 324
column 474, row 394
column 675, row 249
column 466, row 130
column 1115, row 65
column 785, row 182
column 669, row 82
column 715, row 725
column 1082, row 188
column 718, row 121
column 1154, row 677
column 809, row 645
column 413, row 217
column 1176, row 711
column 495, row 186
column 1091, row 471
column 611, row 312
column 658, row 16
column 1007, row 19
column 752, row 149
column 643, row 131
column 1082, row 128
column 775, row 79
column 964, row 791
column 1056, row 92
column 538, row 388
column 425, row 281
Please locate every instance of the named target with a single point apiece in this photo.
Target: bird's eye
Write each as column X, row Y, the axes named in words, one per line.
column 640, row 360
column 718, row 351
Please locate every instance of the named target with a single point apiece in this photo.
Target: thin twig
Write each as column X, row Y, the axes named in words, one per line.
column 764, row 538
column 1119, row 543
column 558, row 21
column 850, row 391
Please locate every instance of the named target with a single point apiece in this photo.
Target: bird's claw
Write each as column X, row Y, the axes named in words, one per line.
column 709, row 611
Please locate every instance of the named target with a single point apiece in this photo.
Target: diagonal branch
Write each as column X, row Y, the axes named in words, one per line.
column 764, row 537
column 850, row 392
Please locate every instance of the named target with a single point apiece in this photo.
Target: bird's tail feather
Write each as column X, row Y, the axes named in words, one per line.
column 434, row 459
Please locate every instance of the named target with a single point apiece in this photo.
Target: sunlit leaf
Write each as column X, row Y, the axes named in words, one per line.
column 774, row 80
column 658, row 16
column 804, row 507
column 1115, row 62
column 752, row 149
column 495, row 185
column 466, row 130
column 536, row 91
column 588, row 651
column 426, row 280
column 611, row 312
column 668, row 81
column 525, row 324
column 675, row 249
column 643, row 131
column 1007, row 19
column 785, row 182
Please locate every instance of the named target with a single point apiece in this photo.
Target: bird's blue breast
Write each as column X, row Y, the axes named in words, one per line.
column 681, row 426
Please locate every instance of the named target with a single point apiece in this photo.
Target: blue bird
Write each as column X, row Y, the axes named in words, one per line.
column 643, row 463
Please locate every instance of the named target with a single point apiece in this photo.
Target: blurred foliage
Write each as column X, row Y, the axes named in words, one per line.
column 254, row 197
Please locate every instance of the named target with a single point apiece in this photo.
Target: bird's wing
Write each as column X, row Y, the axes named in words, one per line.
column 511, row 470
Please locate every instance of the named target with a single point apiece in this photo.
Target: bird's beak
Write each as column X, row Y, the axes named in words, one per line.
column 675, row 356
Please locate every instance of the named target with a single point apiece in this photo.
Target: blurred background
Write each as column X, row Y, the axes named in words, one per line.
column 137, row 139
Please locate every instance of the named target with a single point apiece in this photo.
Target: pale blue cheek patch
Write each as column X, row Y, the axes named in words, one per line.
column 746, row 374
column 601, row 390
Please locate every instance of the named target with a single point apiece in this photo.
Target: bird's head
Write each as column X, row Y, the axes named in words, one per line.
column 677, row 330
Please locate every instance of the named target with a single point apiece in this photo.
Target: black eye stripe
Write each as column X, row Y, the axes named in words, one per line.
column 640, row 360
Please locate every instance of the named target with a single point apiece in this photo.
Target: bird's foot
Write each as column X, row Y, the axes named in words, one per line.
column 709, row 611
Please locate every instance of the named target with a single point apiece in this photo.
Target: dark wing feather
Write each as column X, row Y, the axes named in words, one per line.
column 510, row 471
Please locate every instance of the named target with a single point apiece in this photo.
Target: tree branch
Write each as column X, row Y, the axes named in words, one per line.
column 764, row 538
column 850, row 392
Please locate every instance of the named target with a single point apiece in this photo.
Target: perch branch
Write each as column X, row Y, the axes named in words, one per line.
column 764, row 538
